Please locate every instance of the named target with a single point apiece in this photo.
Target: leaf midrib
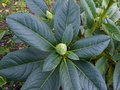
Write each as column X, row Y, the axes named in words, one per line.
column 23, row 64
column 56, row 58
column 91, row 15
column 38, row 7
column 90, row 46
column 47, row 78
column 68, row 73
column 85, row 75
column 33, row 31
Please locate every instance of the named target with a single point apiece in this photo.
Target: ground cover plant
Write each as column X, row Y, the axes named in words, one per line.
column 72, row 46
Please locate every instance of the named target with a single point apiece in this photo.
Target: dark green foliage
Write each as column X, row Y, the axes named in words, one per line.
column 61, row 55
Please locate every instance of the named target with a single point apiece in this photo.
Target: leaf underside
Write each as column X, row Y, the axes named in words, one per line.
column 112, row 30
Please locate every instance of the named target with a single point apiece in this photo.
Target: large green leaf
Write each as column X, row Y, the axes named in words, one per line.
column 90, row 22
column 51, row 62
column 116, row 16
column 91, row 46
column 32, row 31
column 112, row 30
column 37, row 6
column 89, row 7
column 57, row 4
column 19, row 64
column 102, row 65
column 68, row 13
column 42, row 80
column 117, row 77
column 90, row 78
column 86, row 20
column 69, row 76
column 114, row 13
column 90, row 11
column 68, row 35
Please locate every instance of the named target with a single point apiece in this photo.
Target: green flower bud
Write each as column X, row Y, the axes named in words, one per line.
column 61, row 49
column 49, row 15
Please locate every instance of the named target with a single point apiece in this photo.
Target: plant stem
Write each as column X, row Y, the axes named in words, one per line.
column 102, row 16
